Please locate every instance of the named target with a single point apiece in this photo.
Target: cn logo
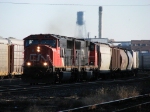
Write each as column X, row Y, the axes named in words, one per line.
column 37, row 57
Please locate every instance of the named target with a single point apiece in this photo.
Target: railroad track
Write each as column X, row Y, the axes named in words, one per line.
column 123, row 105
column 18, row 81
column 22, row 88
column 15, row 81
column 8, row 93
column 132, row 104
column 28, row 88
column 23, row 106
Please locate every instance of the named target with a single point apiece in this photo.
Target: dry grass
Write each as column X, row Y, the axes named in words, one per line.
column 125, row 92
column 99, row 96
column 108, row 94
column 34, row 108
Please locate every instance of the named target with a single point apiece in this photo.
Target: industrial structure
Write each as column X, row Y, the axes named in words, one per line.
column 142, row 46
column 100, row 22
column 80, row 26
column 99, row 38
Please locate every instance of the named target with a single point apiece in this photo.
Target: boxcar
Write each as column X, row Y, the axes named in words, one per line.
column 144, row 61
column 11, row 57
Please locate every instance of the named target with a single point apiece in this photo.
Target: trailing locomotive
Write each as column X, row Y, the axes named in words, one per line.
column 51, row 58
column 11, row 57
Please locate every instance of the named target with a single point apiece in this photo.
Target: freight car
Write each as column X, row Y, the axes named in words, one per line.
column 11, row 57
column 144, row 61
column 55, row 58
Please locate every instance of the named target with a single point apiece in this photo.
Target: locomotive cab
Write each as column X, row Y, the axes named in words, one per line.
column 42, row 50
column 41, row 55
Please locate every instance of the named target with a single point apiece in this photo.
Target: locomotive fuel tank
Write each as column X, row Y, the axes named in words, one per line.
column 65, row 76
column 88, row 75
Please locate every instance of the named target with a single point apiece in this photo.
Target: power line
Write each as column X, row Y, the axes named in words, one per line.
column 25, row 3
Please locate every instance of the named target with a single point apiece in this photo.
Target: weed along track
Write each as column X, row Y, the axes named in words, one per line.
column 56, row 69
column 26, row 88
column 121, row 105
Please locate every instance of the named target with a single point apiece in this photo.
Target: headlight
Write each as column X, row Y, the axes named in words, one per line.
column 45, row 64
column 38, row 49
column 28, row 63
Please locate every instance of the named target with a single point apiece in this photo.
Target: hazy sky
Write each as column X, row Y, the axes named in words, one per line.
column 121, row 19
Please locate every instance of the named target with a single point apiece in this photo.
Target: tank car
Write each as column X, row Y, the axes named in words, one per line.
column 11, row 57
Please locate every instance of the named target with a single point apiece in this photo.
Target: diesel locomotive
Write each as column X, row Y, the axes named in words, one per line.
column 55, row 58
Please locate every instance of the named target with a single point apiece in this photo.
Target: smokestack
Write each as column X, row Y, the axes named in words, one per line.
column 100, row 22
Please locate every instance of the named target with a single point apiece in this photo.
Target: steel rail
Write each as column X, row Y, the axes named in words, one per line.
column 116, row 105
column 25, row 88
column 135, row 107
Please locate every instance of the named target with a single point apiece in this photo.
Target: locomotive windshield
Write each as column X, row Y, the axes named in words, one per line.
column 30, row 42
column 51, row 43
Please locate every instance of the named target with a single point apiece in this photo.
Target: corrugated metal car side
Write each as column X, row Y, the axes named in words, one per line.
column 144, row 62
column 4, row 59
column 17, row 59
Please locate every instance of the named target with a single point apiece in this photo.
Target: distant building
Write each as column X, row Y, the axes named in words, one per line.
column 125, row 44
column 101, row 40
column 121, row 44
column 143, row 46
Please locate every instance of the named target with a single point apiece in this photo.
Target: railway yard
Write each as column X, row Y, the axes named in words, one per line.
column 122, row 94
column 47, row 71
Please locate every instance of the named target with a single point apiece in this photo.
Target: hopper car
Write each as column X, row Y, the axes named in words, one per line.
column 54, row 58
